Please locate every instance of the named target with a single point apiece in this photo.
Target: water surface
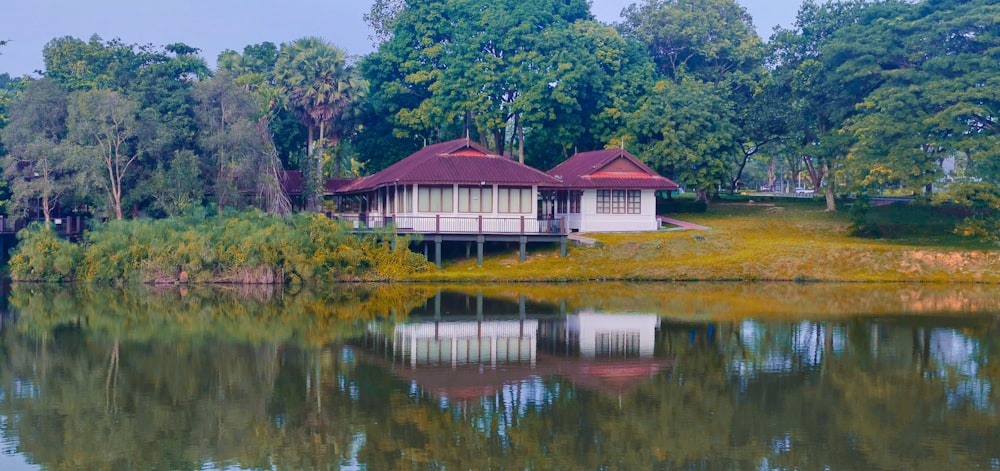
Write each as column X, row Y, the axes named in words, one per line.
column 604, row 376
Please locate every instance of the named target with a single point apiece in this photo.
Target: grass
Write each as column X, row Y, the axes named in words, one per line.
column 781, row 240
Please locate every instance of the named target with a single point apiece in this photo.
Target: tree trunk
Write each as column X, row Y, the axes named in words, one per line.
column 520, row 139
column 499, row 140
column 316, row 172
column 831, row 201
column 701, row 195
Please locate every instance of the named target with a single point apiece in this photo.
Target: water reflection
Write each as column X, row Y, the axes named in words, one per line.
column 532, row 377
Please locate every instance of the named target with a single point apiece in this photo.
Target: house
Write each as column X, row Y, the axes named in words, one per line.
column 464, row 357
column 458, row 191
column 606, row 191
column 453, row 187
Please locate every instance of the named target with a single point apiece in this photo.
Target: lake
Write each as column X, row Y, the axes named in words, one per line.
column 610, row 376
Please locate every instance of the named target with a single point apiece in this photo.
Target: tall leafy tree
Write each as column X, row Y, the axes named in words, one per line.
column 163, row 90
column 103, row 125
column 325, row 91
column 677, row 129
column 236, row 137
column 708, row 48
column 939, row 101
column 82, row 65
column 35, row 165
column 826, row 77
column 528, row 78
column 254, row 70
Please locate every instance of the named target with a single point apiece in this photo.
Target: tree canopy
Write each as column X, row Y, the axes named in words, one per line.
column 856, row 97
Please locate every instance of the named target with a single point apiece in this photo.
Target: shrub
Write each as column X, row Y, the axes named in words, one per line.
column 678, row 205
column 246, row 247
column 41, row 255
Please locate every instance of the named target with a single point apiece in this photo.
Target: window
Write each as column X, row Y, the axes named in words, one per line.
column 619, row 202
column 514, row 200
column 603, row 201
column 475, row 199
column 617, row 344
column 634, row 202
column 435, row 199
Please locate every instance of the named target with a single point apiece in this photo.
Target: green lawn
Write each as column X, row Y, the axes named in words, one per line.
column 764, row 240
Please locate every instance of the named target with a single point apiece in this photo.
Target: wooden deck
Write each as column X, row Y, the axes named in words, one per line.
column 470, row 229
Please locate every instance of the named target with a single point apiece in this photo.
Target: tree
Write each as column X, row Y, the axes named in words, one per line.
column 103, row 126
column 325, row 91
column 9, row 89
column 236, row 138
column 163, row 91
column 526, row 78
column 176, row 186
column 678, row 130
column 938, row 101
column 35, row 163
column 79, row 65
column 828, row 65
column 381, row 19
column 712, row 42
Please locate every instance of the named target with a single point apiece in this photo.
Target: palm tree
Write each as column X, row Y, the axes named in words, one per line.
column 323, row 90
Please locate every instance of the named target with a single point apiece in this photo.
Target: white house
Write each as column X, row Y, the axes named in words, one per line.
column 607, row 191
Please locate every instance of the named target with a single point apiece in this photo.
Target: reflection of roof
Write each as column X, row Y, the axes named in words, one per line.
column 609, row 168
column 611, row 377
column 460, row 161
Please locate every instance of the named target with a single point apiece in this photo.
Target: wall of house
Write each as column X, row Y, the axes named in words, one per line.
column 591, row 221
column 614, row 335
column 463, row 343
column 468, row 222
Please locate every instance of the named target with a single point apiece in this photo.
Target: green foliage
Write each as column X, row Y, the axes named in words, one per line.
column 680, row 129
column 35, row 163
column 680, row 205
column 41, row 255
column 325, row 91
column 982, row 200
column 249, row 247
column 859, row 218
column 517, row 75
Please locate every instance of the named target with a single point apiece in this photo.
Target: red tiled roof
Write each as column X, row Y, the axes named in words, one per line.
column 459, row 161
column 609, row 168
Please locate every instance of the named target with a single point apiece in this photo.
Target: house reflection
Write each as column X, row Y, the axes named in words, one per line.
column 457, row 351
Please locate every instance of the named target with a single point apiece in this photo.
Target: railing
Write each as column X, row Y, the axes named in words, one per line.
column 438, row 224
column 65, row 226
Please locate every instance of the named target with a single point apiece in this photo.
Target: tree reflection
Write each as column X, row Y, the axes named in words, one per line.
column 144, row 379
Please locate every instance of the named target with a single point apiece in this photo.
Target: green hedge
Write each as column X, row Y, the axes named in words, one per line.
column 249, row 247
column 680, row 205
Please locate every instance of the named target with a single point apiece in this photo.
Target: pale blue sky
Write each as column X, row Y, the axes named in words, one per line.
column 215, row 25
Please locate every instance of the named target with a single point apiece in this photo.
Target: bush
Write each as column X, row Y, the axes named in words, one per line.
column 41, row 255
column 679, row 205
column 248, row 247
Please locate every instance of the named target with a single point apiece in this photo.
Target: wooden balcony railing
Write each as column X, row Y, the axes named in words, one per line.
column 470, row 224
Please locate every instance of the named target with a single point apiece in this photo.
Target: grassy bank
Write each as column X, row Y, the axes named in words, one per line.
column 789, row 240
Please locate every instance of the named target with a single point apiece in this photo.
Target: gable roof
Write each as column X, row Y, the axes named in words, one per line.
column 460, row 161
column 609, row 168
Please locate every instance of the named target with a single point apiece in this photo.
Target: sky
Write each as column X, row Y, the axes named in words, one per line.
column 216, row 25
